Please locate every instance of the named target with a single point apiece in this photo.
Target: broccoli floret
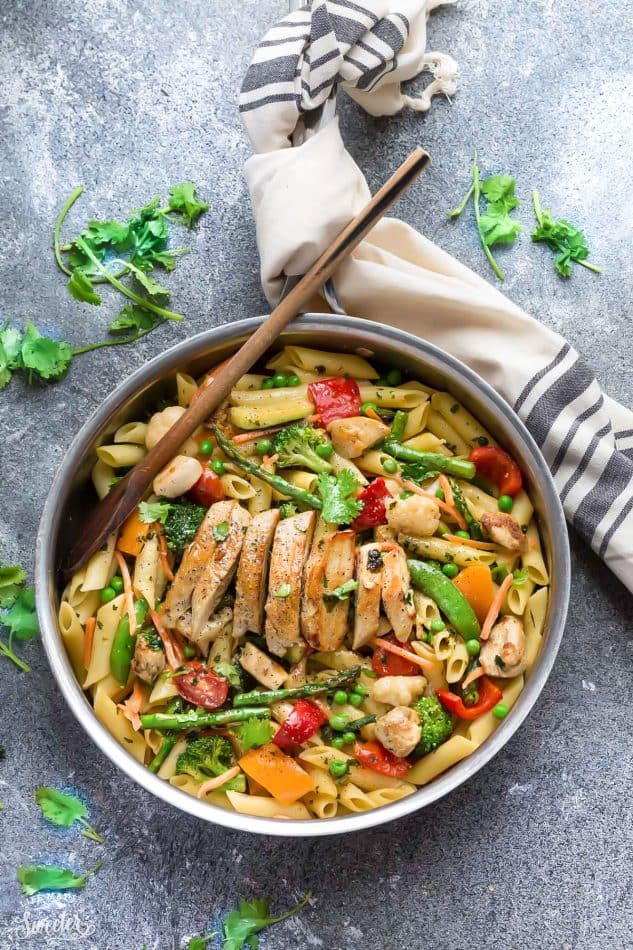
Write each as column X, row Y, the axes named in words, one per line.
column 205, row 758
column 436, row 724
column 182, row 523
column 287, row 509
column 297, row 445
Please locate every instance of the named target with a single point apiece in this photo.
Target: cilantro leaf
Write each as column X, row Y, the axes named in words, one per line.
column 241, row 926
column 133, row 319
column 21, row 618
column 11, row 342
column 182, row 198
column 254, row 733
column 335, row 492
column 48, row 877
column 149, row 512
column 568, row 242
column 283, row 591
column 200, row 943
column 64, row 810
column 80, row 287
column 495, row 225
column 48, row 358
column 221, row 531
column 152, row 286
column 343, row 591
column 12, row 579
column 519, row 578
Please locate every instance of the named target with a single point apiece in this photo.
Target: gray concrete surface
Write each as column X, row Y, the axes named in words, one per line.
column 128, row 96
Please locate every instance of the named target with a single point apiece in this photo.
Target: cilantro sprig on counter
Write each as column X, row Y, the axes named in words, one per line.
column 568, row 242
column 48, row 877
column 18, row 621
column 65, row 810
column 242, row 925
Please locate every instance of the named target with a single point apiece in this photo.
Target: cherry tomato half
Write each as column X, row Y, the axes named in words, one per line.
column 201, row 687
column 498, row 467
column 388, row 664
column 207, row 490
column 374, row 756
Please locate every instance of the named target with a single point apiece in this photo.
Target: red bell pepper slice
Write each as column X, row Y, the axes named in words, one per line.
column 390, row 664
column 489, row 696
column 303, row 722
column 374, row 512
column 207, row 490
column 336, row 398
column 374, row 756
column 498, row 467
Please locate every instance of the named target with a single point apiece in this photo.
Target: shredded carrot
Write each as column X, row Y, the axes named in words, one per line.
column 127, row 591
column 495, row 607
column 372, row 413
column 472, row 676
column 89, row 635
column 242, row 437
column 173, row 652
column 398, row 651
column 316, row 419
column 164, row 559
column 470, row 542
column 269, row 460
column 212, row 783
column 132, row 706
column 446, row 488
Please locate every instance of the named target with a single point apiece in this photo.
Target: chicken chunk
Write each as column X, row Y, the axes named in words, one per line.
column 207, row 568
column 369, row 577
column 324, row 618
column 252, row 574
column 149, row 659
column 354, row 435
column 397, row 690
column 291, row 546
column 211, row 630
column 504, row 530
column 397, row 596
column 399, row 730
column 417, row 515
column 262, row 667
column 503, row 654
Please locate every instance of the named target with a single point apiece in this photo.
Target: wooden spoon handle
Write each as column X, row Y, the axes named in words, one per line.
column 126, row 494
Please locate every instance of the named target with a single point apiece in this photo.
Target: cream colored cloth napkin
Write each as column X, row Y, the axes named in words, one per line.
column 303, row 196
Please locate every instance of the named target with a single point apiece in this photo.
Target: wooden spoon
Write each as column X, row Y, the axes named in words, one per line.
column 112, row 511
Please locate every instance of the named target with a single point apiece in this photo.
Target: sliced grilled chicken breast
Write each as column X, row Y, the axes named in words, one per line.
column 270, row 674
column 207, row 565
column 330, row 564
column 252, row 572
column 369, row 577
column 291, row 546
column 397, row 596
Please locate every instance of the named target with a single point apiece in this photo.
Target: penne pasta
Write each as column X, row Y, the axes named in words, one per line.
column 131, row 432
column 121, row 455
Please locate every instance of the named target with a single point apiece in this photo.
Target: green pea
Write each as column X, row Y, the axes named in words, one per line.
column 293, row 380
column 505, row 503
column 338, row 768
column 500, row 711
column 371, row 406
column 394, row 377
column 348, row 738
column 340, row 697
column 442, row 529
column 117, row 584
column 107, row 594
column 280, row 380
column 428, row 638
column 473, row 647
column 355, row 700
column 360, row 689
column 451, row 570
column 217, row 466
column 390, row 466
column 268, row 383
column 338, row 742
column 324, row 450
column 339, row 722
column 189, row 651
column 439, row 493
column 206, row 447
column 462, row 534
column 263, row 447
column 437, row 625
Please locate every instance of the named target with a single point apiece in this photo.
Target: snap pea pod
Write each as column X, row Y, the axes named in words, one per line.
column 170, row 739
column 299, row 692
column 200, row 719
column 275, row 481
column 427, row 577
column 462, row 506
column 432, row 461
column 123, row 644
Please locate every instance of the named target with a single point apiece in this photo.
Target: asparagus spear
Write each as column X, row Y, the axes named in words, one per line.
column 169, row 740
column 462, row 506
column 200, row 718
column 275, row 481
column 398, row 426
column 432, row 461
column 298, row 692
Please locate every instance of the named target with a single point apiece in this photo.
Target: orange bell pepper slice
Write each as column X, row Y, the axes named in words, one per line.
column 133, row 535
column 278, row 773
column 475, row 583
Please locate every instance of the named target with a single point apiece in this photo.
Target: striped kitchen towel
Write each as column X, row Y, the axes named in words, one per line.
column 303, row 196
